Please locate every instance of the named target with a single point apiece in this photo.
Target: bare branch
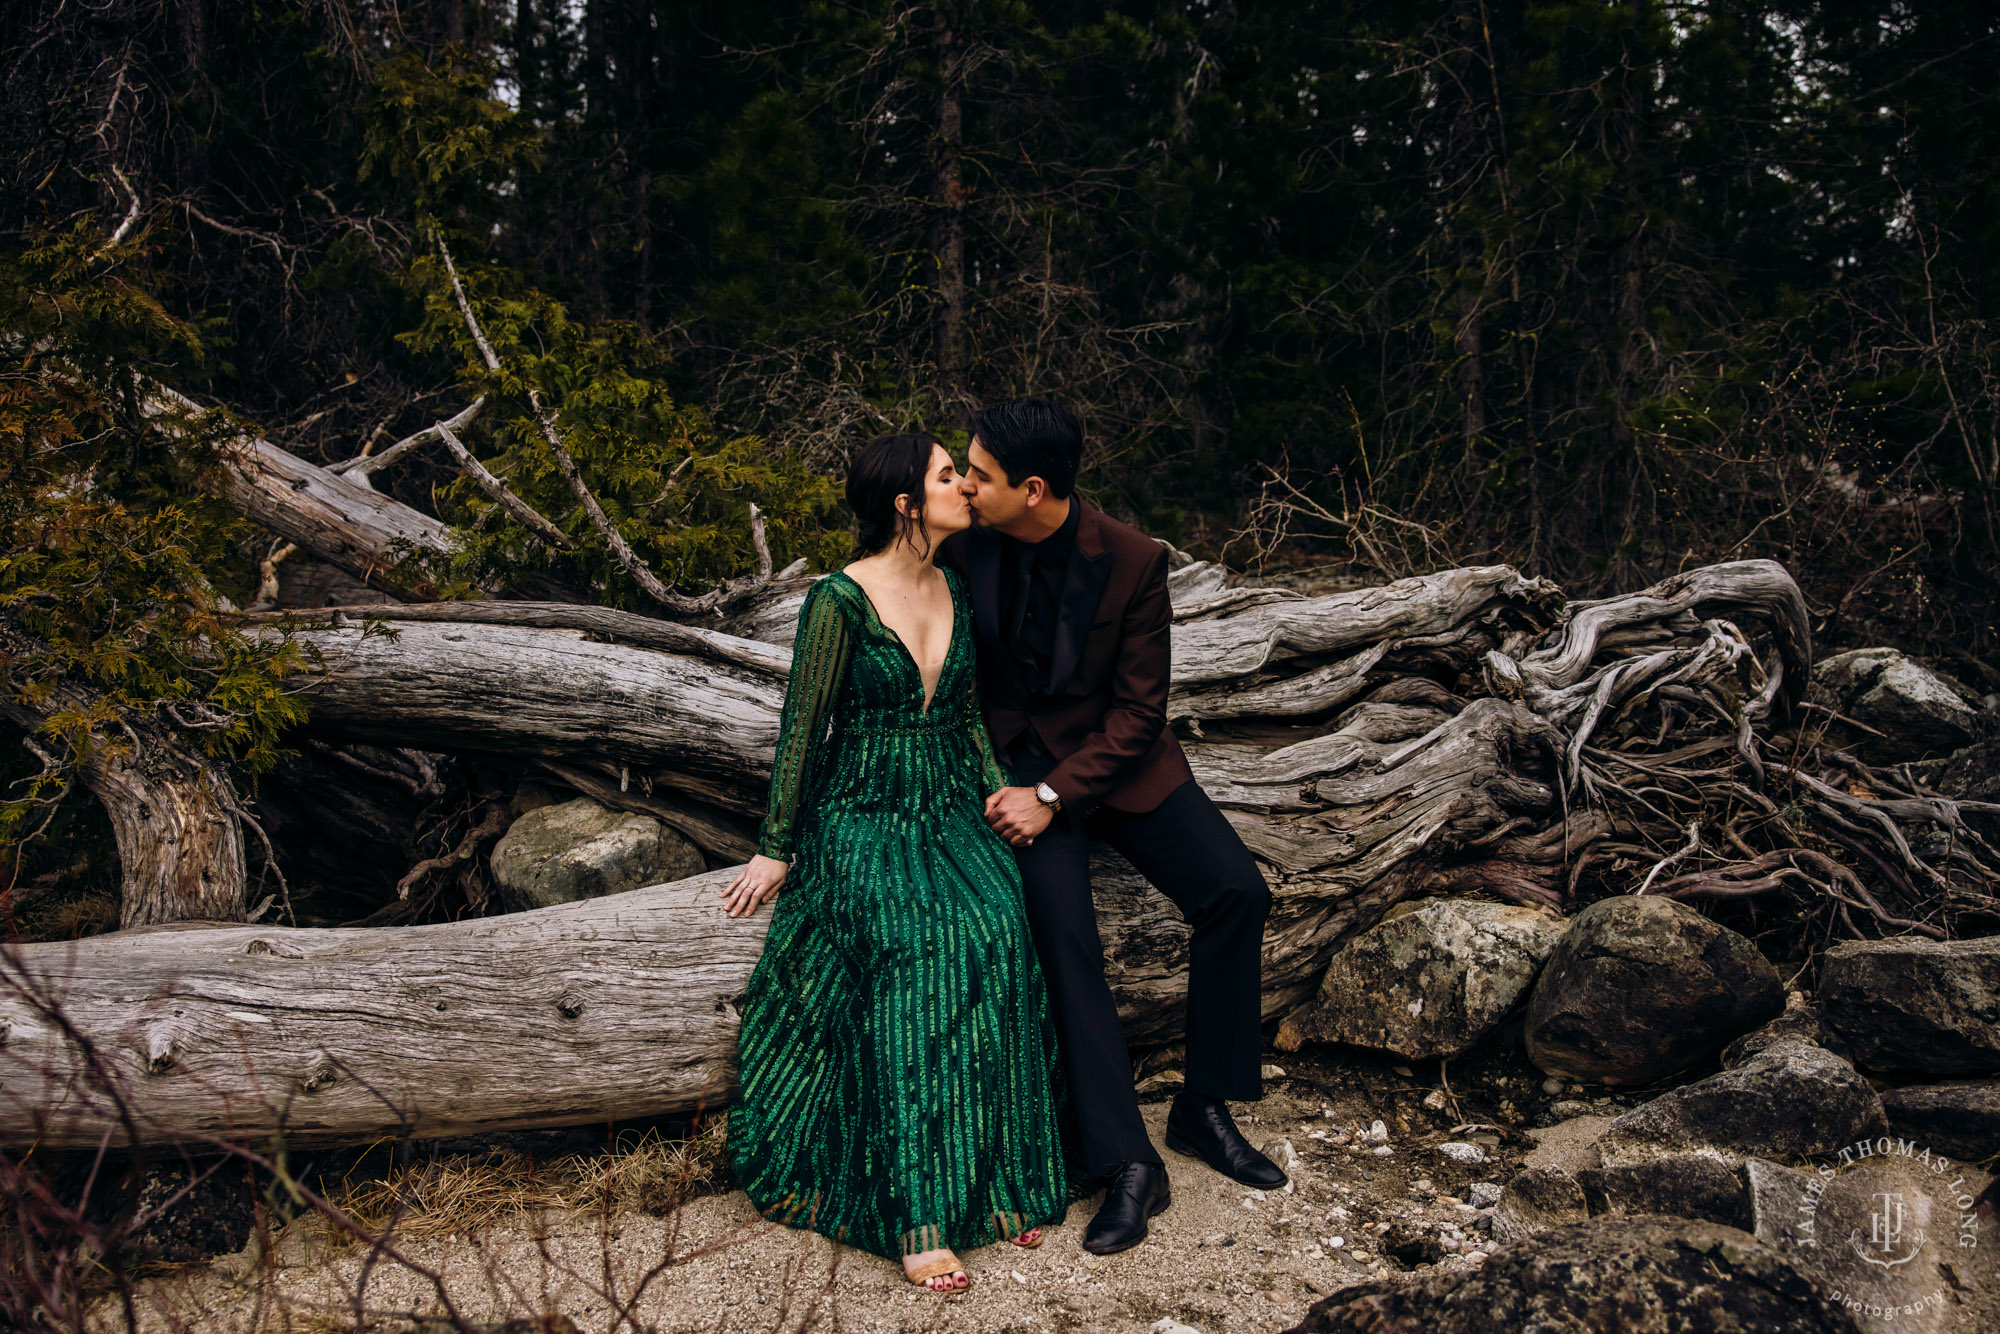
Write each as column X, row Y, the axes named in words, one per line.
column 365, row 462
column 267, row 576
column 1672, row 858
column 465, row 309
column 124, row 228
column 501, row 493
column 758, row 544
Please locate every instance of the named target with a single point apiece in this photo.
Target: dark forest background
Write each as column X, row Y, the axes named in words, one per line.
column 1600, row 289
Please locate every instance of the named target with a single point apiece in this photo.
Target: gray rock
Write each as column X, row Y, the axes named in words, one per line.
column 1641, row 987
column 1972, row 774
column 1832, row 1226
column 1799, row 1023
column 580, row 850
column 1538, row 1200
column 1961, row 1118
column 1430, row 981
column 1916, row 712
column 1686, row 1185
column 1915, row 1004
column 1790, row 1100
column 1634, row 1275
column 1483, row 1194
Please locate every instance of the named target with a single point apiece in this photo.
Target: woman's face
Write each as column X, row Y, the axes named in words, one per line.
column 945, row 509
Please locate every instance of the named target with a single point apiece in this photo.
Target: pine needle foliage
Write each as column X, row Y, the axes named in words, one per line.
column 117, row 565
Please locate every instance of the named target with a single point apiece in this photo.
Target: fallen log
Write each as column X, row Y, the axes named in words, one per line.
column 351, row 527
column 616, row 1007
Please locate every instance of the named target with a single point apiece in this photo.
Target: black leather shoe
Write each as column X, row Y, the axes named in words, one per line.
column 1202, row 1128
column 1136, row 1193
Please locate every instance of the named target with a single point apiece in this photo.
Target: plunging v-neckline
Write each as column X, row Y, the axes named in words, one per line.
column 929, row 692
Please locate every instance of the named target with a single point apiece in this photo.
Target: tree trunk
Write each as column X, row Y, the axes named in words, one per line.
column 948, row 225
column 173, row 813
column 180, row 841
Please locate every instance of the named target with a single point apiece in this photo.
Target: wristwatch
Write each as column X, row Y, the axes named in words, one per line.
column 1047, row 796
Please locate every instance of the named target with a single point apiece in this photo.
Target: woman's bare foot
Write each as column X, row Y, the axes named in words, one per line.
column 1031, row 1238
column 940, row 1271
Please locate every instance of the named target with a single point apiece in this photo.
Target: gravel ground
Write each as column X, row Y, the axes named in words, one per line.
column 1365, row 1201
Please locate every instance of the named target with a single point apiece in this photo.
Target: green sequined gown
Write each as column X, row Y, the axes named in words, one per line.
column 897, row 1055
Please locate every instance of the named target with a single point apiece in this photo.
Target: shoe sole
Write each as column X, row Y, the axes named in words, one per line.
column 1185, row 1150
column 1152, row 1213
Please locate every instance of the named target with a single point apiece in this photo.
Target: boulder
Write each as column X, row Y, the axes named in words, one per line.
column 1635, row 1275
column 1641, row 987
column 1931, row 1006
column 1538, row 1200
column 1799, row 1023
column 1882, row 1233
column 1961, row 1118
column 580, row 850
column 1428, row 982
column 1912, row 711
column 1790, row 1100
column 1686, row 1185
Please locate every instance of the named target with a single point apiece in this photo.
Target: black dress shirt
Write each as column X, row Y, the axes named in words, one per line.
column 1031, row 600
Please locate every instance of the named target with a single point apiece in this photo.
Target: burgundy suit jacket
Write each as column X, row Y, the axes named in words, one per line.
column 1105, row 716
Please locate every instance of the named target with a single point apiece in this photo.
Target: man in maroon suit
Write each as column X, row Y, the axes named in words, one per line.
column 1073, row 625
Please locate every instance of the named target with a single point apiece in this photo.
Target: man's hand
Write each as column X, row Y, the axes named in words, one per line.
column 1017, row 815
column 754, row 886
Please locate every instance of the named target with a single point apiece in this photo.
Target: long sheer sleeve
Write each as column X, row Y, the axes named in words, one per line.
column 991, row 776
column 819, row 663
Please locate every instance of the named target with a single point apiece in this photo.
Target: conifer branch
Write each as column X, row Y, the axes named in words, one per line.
column 628, row 560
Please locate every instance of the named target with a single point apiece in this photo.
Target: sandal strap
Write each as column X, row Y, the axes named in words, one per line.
column 931, row 1269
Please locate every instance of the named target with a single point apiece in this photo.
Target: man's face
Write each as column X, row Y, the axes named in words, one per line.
column 995, row 504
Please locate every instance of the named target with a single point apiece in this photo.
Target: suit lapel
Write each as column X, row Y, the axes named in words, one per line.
column 1083, row 586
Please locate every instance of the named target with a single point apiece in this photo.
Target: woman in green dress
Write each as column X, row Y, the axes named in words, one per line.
column 897, row 1054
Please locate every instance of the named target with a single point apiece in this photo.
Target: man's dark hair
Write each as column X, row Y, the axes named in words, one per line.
column 1032, row 437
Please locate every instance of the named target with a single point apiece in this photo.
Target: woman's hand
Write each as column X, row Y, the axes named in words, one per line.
column 756, row 884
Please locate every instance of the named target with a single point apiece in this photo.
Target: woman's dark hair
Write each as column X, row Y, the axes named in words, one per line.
column 886, row 467
column 1032, row 437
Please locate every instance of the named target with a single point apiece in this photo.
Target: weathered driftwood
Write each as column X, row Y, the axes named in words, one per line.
column 615, row 1007
column 1469, row 755
column 346, row 525
column 606, row 623
column 707, row 726
column 1410, row 788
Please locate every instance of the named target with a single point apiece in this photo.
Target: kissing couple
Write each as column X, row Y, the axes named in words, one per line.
column 930, row 1054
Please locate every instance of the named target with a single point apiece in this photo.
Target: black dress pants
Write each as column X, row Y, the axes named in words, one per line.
column 1192, row 855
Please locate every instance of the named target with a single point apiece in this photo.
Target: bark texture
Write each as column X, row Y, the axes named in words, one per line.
column 173, row 813
column 615, row 1007
column 346, row 525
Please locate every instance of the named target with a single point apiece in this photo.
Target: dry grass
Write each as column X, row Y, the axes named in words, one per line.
column 462, row 1194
